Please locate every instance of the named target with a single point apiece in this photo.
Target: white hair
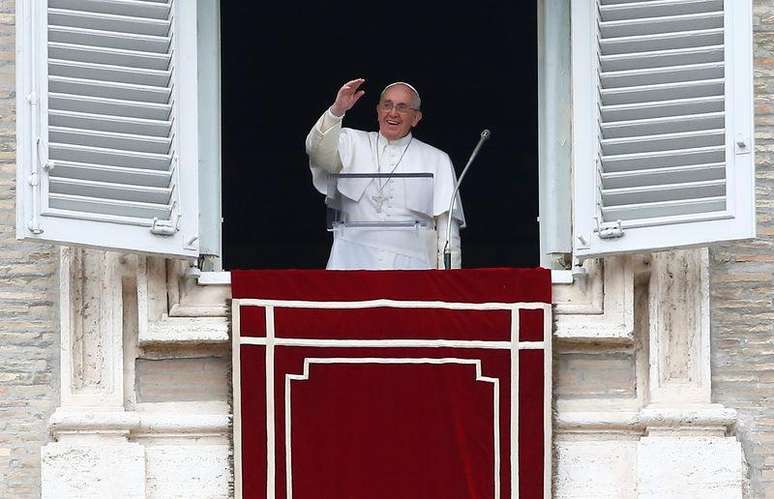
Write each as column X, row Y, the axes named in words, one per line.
column 417, row 100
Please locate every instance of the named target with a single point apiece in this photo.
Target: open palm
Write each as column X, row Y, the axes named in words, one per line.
column 347, row 96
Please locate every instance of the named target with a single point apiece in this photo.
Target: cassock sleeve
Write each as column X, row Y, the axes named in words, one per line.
column 322, row 147
column 331, row 149
column 445, row 180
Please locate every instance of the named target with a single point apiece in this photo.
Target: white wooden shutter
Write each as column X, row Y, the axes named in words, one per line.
column 107, row 124
column 662, row 124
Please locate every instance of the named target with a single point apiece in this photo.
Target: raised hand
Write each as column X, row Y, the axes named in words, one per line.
column 347, row 96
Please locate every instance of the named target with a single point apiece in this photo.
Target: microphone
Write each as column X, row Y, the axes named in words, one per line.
column 446, row 249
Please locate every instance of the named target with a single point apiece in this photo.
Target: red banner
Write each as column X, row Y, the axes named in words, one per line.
column 392, row 384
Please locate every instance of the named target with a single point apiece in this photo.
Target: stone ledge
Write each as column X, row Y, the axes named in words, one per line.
column 594, row 421
column 708, row 417
column 137, row 423
column 712, row 418
column 223, row 278
column 185, row 330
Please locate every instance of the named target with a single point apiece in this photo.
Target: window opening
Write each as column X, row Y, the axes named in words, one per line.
column 476, row 68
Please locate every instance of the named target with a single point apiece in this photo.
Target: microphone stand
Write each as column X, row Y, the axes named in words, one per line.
column 446, row 249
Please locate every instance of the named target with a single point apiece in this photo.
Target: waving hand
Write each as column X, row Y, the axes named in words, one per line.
column 347, row 96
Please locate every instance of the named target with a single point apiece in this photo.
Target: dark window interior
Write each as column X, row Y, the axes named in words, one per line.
column 475, row 65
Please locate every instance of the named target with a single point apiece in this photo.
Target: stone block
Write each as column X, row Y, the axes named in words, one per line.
column 672, row 467
column 78, row 471
column 188, row 471
column 596, row 469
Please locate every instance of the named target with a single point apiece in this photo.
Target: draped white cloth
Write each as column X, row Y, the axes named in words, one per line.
column 333, row 149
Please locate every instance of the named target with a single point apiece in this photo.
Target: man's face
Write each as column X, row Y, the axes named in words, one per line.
column 396, row 113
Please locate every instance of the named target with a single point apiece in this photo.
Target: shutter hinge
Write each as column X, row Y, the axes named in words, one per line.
column 34, row 224
column 190, row 244
column 163, row 227
column 34, row 228
column 612, row 230
column 742, row 144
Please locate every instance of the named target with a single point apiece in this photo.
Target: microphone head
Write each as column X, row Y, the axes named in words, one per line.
column 486, row 134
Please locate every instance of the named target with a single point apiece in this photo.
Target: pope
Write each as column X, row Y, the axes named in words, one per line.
column 392, row 150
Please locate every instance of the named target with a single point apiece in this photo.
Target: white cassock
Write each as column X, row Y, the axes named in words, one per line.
column 333, row 149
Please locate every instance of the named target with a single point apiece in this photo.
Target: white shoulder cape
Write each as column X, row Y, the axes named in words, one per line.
column 357, row 151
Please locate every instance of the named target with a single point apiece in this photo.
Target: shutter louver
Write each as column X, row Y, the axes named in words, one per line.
column 112, row 109
column 654, row 163
column 662, row 145
column 120, row 116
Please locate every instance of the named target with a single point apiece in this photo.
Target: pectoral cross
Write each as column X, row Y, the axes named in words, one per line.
column 379, row 200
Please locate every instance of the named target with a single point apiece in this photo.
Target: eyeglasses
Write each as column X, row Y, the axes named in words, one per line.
column 402, row 108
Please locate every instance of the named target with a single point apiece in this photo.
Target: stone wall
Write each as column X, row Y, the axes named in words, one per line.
column 742, row 277
column 29, row 345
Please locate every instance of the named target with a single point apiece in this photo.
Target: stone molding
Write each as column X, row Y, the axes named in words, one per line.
column 585, row 422
column 599, row 305
column 186, row 330
column 679, row 323
column 674, row 440
column 713, row 418
column 100, row 448
column 188, row 299
column 90, row 313
column 136, row 423
column 172, row 309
